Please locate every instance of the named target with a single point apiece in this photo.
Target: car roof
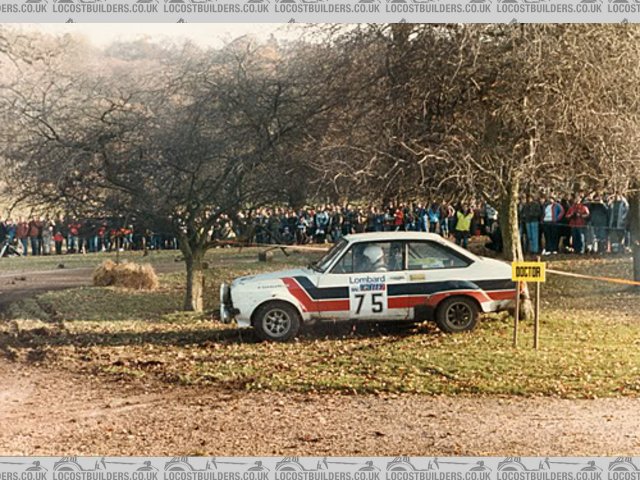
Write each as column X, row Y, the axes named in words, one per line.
column 382, row 236
column 407, row 236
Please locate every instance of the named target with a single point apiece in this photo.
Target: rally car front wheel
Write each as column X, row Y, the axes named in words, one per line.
column 457, row 314
column 276, row 321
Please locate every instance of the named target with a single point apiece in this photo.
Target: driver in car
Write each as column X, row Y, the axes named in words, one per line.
column 373, row 259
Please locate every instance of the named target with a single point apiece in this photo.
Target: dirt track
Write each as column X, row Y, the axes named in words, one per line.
column 17, row 285
column 46, row 412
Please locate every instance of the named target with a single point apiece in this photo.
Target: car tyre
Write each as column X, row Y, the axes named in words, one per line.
column 457, row 314
column 276, row 322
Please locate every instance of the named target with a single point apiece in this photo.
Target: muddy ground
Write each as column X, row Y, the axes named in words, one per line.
column 48, row 412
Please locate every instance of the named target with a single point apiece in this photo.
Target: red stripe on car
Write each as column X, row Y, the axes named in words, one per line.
column 310, row 305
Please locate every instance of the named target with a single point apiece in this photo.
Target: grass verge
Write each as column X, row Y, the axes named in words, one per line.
column 589, row 342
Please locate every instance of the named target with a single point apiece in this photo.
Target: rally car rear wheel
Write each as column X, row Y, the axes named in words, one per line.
column 457, row 314
column 276, row 321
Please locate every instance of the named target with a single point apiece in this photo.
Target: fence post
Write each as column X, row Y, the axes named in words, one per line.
column 516, row 317
column 536, row 322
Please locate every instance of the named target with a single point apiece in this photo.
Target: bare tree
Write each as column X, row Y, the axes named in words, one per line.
column 486, row 110
column 196, row 137
column 386, row 111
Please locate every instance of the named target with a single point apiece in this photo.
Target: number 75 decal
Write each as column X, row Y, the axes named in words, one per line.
column 369, row 302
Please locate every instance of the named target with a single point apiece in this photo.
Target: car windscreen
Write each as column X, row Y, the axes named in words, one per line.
column 335, row 251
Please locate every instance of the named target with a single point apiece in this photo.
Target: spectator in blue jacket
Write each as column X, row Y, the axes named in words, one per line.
column 531, row 215
column 599, row 221
column 552, row 215
column 434, row 214
column 618, row 211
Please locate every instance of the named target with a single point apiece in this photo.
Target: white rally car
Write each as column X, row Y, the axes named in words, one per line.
column 387, row 276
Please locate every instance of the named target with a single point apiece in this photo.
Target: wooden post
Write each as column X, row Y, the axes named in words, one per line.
column 516, row 317
column 536, row 321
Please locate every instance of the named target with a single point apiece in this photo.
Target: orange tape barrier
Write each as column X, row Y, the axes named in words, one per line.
column 621, row 281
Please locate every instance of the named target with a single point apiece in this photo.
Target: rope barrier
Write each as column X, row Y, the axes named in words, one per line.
column 621, row 281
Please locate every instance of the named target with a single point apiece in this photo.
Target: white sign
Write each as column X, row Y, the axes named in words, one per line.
column 368, row 295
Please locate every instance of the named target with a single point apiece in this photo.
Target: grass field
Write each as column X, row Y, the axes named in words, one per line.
column 590, row 339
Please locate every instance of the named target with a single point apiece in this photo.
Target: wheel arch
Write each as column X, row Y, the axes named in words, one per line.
column 290, row 302
column 465, row 295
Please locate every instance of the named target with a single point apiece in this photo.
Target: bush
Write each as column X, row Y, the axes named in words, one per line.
column 125, row 275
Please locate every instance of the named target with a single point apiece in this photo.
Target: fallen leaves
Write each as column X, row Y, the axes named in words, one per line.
column 586, row 351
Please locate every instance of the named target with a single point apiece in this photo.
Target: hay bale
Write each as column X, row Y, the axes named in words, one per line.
column 125, row 275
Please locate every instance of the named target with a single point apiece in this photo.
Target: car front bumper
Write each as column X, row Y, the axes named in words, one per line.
column 227, row 311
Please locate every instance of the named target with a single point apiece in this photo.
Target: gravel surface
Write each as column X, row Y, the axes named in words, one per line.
column 46, row 412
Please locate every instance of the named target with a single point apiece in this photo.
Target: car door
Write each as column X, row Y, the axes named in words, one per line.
column 364, row 286
column 433, row 272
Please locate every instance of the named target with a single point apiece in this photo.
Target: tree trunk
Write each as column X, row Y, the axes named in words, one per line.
column 512, row 247
column 509, row 226
column 634, row 212
column 194, row 299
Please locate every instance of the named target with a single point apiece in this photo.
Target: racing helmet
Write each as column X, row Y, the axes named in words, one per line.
column 373, row 253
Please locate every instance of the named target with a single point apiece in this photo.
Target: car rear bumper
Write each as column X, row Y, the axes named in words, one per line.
column 498, row 306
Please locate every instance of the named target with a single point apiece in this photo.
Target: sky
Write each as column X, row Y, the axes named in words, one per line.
column 213, row 34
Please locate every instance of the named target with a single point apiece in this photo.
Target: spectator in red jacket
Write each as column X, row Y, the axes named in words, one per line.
column 58, row 238
column 398, row 220
column 578, row 215
column 35, row 234
column 22, row 234
column 73, row 240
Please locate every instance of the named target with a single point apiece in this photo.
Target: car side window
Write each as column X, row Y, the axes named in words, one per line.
column 371, row 257
column 433, row 256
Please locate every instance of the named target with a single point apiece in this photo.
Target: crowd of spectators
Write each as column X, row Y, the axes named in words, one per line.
column 327, row 223
column 44, row 236
column 584, row 223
